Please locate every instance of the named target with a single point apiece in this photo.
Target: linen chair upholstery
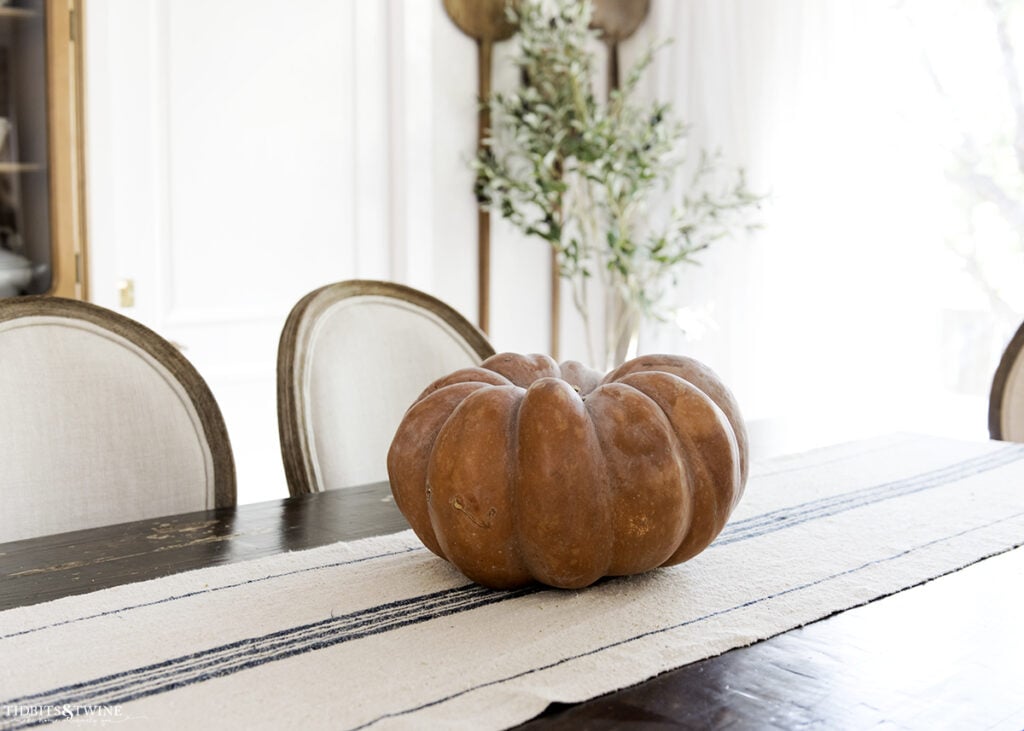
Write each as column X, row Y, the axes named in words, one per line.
column 353, row 356
column 1006, row 400
column 103, row 422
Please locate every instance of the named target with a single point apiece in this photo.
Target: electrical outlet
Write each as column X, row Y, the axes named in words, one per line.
column 126, row 292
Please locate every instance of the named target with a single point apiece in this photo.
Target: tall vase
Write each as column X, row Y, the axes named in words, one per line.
column 622, row 328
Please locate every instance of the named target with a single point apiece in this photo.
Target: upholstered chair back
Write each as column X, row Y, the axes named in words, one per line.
column 103, row 422
column 353, row 357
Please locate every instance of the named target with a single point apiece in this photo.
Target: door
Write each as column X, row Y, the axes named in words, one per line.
column 240, row 155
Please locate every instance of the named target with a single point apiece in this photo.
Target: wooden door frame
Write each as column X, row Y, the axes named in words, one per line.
column 65, row 98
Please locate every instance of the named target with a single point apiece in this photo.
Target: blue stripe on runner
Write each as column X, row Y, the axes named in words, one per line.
column 833, row 505
column 445, row 601
column 241, row 655
column 209, row 590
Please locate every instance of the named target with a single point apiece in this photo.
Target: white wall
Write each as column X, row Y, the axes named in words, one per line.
column 241, row 154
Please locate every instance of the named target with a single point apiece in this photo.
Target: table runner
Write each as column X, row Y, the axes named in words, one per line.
column 381, row 634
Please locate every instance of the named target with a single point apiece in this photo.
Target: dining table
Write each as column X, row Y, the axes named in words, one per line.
column 944, row 651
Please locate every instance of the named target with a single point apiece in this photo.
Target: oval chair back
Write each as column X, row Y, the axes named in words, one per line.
column 353, row 357
column 104, row 422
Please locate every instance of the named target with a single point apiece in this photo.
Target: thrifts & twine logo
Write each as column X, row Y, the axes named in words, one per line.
column 99, row 713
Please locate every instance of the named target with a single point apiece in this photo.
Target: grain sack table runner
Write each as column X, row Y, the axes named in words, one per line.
column 381, row 634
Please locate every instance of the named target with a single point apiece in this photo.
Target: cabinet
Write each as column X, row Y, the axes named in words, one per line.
column 42, row 232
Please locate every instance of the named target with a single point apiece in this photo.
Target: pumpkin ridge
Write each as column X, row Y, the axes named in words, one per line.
column 704, row 478
column 679, row 447
column 462, row 375
column 440, row 393
column 512, row 476
column 582, row 378
column 521, row 370
column 457, row 479
column 648, row 545
column 410, row 452
column 557, row 510
column 606, row 482
column 701, row 377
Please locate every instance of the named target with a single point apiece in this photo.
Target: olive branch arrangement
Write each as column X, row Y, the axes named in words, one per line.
column 581, row 175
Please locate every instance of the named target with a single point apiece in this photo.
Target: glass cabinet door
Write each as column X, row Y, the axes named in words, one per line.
column 40, row 231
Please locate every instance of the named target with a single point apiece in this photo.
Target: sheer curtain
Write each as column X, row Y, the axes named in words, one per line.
column 837, row 312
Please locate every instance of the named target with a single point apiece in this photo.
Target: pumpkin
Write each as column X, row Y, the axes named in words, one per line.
column 524, row 470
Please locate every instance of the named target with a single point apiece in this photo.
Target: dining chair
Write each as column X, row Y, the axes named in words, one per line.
column 103, row 422
column 1006, row 400
column 353, row 356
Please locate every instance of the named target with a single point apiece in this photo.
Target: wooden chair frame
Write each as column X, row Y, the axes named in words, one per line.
column 1011, row 357
column 291, row 363
column 210, row 418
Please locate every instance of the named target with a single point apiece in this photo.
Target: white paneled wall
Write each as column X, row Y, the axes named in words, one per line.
column 241, row 154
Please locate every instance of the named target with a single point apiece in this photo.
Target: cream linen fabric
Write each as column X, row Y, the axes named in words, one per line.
column 368, row 359
column 95, row 431
column 382, row 634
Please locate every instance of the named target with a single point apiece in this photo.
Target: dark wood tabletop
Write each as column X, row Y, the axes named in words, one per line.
column 946, row 654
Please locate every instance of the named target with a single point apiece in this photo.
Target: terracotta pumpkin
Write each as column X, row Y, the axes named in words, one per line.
column 525, row 470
